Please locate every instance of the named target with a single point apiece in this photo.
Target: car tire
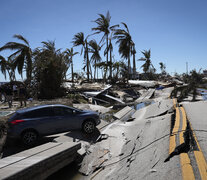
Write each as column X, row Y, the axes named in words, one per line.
column 88, row 126
column 29, row 137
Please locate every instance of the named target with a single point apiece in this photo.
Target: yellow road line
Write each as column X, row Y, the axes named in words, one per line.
column 200, row 159
column 187, row 170
column 177, row 121
column 172, row 144
column 175, row 102
column 184, row 125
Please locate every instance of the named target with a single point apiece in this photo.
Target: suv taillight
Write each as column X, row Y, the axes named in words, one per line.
column 16, row 121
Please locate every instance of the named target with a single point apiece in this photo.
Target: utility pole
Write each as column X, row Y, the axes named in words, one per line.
column 187, row 68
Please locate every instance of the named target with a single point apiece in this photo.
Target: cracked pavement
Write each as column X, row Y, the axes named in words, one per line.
column 136, row 149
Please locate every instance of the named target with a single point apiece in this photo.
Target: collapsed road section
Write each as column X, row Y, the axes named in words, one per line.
column 141, row 148
column 134, row 149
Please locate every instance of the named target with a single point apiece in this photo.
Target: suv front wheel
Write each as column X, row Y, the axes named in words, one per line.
column 88, row 126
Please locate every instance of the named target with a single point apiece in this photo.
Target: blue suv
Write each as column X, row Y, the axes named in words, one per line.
column 31, row 123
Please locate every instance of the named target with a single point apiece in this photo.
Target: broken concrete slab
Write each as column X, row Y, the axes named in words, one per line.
column 124, row 113
column 146, row 84
column 147, row 94
column 156, row 109
column 96, row 93
column 97, row 108
column 102, row 96
column 114, row 99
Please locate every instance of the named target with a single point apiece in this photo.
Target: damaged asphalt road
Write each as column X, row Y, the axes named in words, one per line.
column 135, row 149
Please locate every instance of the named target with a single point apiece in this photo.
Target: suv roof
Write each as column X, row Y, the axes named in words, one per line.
column 39, row 107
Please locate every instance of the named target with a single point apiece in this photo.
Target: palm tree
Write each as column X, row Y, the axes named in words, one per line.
column 103, row 66
column 162, row 67
column 69, row 60
column 3, row 64
column 22, row 56
column 147, row 60
column 116, row 68
column 49, row 70
column 95, row 57
column 103, row 23
column 7, row 66
column 78, row 40
column 125, row 42
column 195, row 79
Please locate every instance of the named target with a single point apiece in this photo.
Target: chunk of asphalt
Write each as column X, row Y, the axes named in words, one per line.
column 102, row 137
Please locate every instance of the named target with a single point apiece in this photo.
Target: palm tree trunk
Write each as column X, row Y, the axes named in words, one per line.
column 110, row 64
column 129, row 68
column 107, row 54
column 10, row 75
column 117, row 73
column 29, row 68
column 87, row 63
column 95, row 72
column 91, row 71
column 134, row 65
column 72, row 70
column 105, row 72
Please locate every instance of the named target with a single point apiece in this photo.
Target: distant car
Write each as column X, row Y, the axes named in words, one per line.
column 31, row 123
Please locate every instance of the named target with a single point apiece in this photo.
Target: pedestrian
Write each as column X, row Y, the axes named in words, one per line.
column 9, row 95
column 14, row 90
column 22, row 95
column 2, row 94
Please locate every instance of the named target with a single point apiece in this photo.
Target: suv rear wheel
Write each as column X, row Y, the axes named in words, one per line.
column 29, row 137
column 88, row 126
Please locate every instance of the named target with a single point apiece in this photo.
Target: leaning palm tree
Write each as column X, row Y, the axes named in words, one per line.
column 162, row 67
column 103, row 66
column 134, row 61
column 147, row 60
column 7, row 67
column 3, row 65
column 103, row 23
column 116, row 69
column 22, row 57
column 125, row 42
column 95, row 57
column 69, row 60
column 79, row 40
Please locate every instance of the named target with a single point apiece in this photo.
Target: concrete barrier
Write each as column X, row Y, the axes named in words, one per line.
column 39, row 162
column 124, row 113
column 145, row 96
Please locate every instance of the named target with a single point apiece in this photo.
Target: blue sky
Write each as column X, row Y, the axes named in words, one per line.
column 174, row 30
